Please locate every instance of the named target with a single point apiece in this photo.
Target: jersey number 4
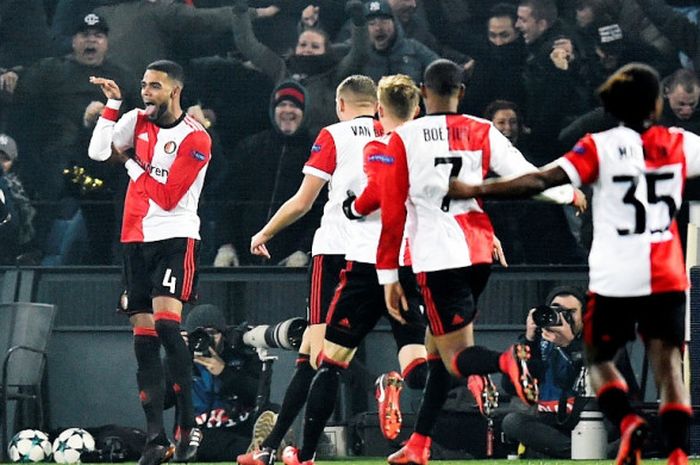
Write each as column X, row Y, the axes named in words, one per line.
column 456, row 163
column 640, row 212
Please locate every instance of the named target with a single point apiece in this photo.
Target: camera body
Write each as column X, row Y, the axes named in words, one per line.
column 547, row 316
column 286, row 334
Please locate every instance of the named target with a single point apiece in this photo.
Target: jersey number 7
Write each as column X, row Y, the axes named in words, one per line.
column 456, row 163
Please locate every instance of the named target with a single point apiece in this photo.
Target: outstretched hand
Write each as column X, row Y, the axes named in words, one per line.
column 108, row 86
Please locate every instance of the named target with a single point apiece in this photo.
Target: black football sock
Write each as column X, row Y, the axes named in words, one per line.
column 149, row 378
column 179, row 362
column 319, row 407
column 477, row 360
column 675, row 421
column 416, row 374
column 294, row 400
column 435, row 393
column 614, row 402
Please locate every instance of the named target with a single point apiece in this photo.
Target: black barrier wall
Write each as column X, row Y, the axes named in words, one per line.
column 91, row 370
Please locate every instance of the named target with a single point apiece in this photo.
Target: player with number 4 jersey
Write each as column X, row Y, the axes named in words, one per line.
column 637, row 274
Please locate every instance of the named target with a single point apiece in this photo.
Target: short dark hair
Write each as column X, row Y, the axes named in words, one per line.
column 682, row 77
column 443, row 77
column 501, row 10
column 172, row 69
column 631, row 93
column 498, row 105
column 542, row 10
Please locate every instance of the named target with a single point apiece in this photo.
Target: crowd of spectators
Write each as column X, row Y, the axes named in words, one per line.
column 261, row 77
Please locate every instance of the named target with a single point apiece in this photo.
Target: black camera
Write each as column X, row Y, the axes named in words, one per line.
column 546, row 316
column 200, row 341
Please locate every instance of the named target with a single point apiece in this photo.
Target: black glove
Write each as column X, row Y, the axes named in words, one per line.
column 347, row 206
column 355, row 11
column 240, row 7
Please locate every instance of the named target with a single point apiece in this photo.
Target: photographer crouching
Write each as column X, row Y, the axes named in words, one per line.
column 553, row 333
column 226, row 385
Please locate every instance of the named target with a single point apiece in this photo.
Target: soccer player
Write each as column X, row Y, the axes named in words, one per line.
column 637, row 275
column 451, row 241
column 358, row 302
column 170, row 153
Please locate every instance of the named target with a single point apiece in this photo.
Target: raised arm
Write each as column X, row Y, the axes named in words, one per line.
column 258, row 53
column 354, row 61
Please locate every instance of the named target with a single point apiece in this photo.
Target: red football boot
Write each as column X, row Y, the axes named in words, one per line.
column 485, row 393
column 634, row 430
column 264, row 456
column 513, row 363
column 411, row 453
column 388, row 394
column 290, row 456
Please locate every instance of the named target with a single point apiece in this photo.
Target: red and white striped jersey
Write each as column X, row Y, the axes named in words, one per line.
column 638, row 183
column 336, row 156
column 443, row 233
column 167, row 172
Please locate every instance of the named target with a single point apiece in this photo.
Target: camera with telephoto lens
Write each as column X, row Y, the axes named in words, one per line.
column 283, row 335
column 546, row 316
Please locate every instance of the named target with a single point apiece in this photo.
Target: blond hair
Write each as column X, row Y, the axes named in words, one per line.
column 358, row 90
column 399, row 95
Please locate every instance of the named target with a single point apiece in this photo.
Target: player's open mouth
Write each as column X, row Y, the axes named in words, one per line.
column 151, row 108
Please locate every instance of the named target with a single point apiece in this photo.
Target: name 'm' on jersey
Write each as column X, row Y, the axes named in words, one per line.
column 638, row 183
column 336, row 156
column 167, row 173
column 443, row 233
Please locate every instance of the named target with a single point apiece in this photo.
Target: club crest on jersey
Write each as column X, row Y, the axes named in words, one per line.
column 381, row 158
column 170, row 147
column 198, row 155
column 316, row 148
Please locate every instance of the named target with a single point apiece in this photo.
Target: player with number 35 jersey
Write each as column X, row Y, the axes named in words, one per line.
column 637, row 274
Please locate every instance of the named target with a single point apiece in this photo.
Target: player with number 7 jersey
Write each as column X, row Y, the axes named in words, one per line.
column 451, row 241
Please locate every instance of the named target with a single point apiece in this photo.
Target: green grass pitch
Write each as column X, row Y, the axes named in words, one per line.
column 382, row 461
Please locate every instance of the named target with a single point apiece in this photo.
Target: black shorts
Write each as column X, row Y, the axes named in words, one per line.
column 161, row 268
column 451, row 296
column 324, row 274
column 610, row 322
column 359, row 303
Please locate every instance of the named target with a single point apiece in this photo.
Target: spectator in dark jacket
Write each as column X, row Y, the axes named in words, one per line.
column 498, row 68
column 391, row 51
column 267, row 171
column 681, row 95
column 555, row 93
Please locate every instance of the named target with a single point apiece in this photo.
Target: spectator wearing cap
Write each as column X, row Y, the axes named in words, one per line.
column 267, row 171
column 613, row 49
column 311, row 63
column 53, row 102
column 392, row 52
column 18, row 231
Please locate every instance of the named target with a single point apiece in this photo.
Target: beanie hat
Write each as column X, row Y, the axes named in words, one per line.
column 205, row 316
column 290, row 91
column 567, row 290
